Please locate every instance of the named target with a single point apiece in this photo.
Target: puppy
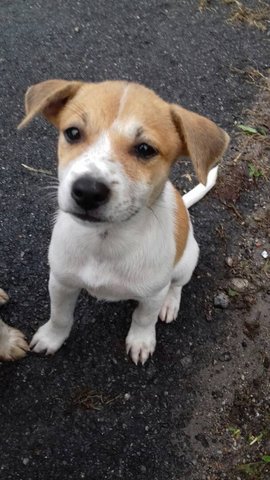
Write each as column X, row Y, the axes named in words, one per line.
column 122, row 231
column 12, row 342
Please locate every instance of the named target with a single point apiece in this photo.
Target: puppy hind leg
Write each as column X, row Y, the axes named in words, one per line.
column 50, row 336
column 141, row 339
column 181, row 276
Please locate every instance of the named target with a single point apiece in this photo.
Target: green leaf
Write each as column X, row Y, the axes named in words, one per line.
column 248, row 130
column 262, row 131
column 254, row 439
column 234, row 431
column 266, row 458
column 232, row 293
column 253, row 171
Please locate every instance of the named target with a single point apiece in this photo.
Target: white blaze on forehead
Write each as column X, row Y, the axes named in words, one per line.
column 123, row 100
column 128, row 128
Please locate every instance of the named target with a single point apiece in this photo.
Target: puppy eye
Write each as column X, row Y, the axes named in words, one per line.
column 145, row 151
column 72, row 134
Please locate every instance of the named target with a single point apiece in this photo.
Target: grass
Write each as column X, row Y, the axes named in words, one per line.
column 254, row 470
column 203, row 4
column 257, row 17
column 253, row 76
column 91, row 400
column 254, row 172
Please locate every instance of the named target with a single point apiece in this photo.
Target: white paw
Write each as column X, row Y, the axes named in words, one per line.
column 171, row 305
column 12, row 343
column 48, row 338
column 140, row 343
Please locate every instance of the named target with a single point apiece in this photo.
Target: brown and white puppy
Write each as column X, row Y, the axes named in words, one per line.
column 12, row 342
column 122, row 231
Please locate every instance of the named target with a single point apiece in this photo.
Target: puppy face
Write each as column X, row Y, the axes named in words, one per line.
column 117, row 142
column 115, row 148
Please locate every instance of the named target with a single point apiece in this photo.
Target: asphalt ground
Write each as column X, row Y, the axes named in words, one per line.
column 88, row 412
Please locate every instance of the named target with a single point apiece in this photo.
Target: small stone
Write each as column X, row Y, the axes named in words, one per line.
column 221, row 300
column 127, row 396
column 25, row 461
column 76, row 29
column 266, row 362
column 217, row 394
column 186, row 361
column 202, row 439
column 265, row 254
column 239, row 284
column 250, row 299
column 229, row 261
column 225, row 357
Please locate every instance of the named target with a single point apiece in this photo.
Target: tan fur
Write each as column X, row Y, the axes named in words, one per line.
column 48, row 98
column 157, row 129
column 204, row 142
column 181, row 226
column 94, row 107
column 13, row 344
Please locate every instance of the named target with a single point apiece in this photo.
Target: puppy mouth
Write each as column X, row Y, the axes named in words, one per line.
column 86, row 217
column 89, row 216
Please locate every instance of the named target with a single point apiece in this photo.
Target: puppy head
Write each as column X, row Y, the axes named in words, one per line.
column 117, row 142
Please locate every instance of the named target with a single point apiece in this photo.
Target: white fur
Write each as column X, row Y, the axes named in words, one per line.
column 134, row 260
column 127, row 128
column 127, row 196
column 126, row 257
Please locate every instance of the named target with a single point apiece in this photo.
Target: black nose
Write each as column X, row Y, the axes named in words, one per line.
column 89, row 193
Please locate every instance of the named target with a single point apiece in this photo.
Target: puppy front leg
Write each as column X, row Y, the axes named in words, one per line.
column 141, row 339
column 52, row 334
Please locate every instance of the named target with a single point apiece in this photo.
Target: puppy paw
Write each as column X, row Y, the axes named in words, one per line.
column 12, row 343
column 48, row 339
column 171, row 305
column 140, row 343
column 4, row 298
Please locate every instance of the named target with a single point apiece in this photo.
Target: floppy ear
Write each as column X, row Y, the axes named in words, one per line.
column 48, row 98
column 203, row 141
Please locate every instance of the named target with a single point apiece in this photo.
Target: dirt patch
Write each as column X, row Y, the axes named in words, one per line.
column 230, row 429
column 247, row 175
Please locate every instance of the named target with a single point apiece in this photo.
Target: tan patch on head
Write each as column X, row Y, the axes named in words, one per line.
column 93, row 110
column 181, row 226
column 145, row 118
column 110, row 107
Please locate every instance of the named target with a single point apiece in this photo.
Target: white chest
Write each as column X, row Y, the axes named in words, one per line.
column 118, row 264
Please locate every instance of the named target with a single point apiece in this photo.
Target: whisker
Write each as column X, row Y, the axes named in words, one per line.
column 50, row 187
